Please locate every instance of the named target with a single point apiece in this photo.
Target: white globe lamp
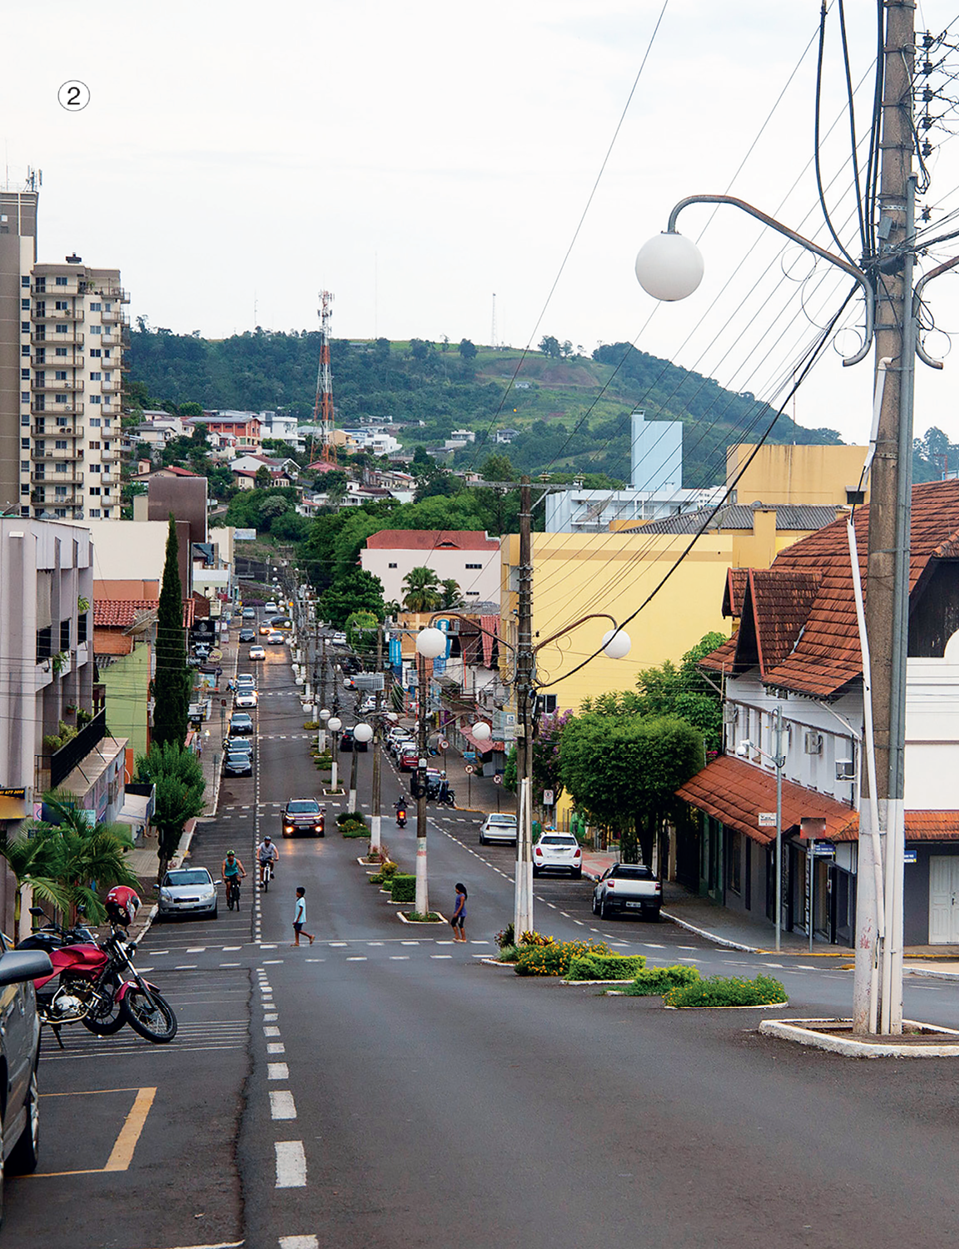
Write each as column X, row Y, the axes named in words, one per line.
column 669, row 267
column 431, row 643
column 616, row 644
column 334, row 724
column 325, row 715
column 363, row 733
column 481, row 731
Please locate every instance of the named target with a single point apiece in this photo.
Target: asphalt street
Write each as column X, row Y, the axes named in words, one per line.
column 384, row 1087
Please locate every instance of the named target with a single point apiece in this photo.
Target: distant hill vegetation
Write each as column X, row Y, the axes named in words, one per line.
column 571, row 412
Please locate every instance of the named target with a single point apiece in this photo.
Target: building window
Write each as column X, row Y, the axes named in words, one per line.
column 25, row 281
column 44, row 644
column 95, row 307
column 106, row 422
column 95, row 377
column 60, row 398
column 25, row 305
column 474, row 566
column 95, row 490
column 24, row 327
column 94, row 420
column 391, row 565
column 60, row 444
column 61, row 468
column 57, row 351
column 24, row 466
column 60, row 492
column 62, row 329
column 24, row 489
column 24, row 398
column 96, row 329
column 25, row 444
column 94, row 468
column 734, row 880
column 94, row 446
column 106, row 513
column 94, row 398
column 95, row 351
column 94, row 513
column 60, row 281
column 65, row 635
column 61, row 305
column 60, row 375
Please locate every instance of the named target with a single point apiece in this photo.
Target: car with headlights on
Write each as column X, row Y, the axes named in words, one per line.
column 303, row 817
column 257, row 652
column 248, row 635
column 187, row 891
column 244, row 698
column 557, row 852
column 241, row 724
column 501, row 826
column 271, row 606
column 276, row 638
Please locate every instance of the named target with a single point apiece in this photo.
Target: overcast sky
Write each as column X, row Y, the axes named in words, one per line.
column 415, row 158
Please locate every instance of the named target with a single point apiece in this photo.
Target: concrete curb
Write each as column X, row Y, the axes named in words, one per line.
column 426, row 922
column 710, row 936
column 798, row 1031
column 934, row 975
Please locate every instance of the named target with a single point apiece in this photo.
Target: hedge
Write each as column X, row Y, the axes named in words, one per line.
column 554, row 959
column 728, row 991
column 658, row 980
column 606, row 967
column 386, row 873
column 403, row 887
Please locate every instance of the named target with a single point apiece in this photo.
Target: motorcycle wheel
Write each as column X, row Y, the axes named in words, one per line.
column 107, row 1018
column 155, row 1021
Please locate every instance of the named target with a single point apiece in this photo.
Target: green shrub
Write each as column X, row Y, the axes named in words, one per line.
column 509, row 953
column 606, row 967
column 554, row 959
column 506, row 937
column 431, row 917
column 385, row 874
column 324, row 760
column 354, row 830
column 351, row 817
column 403, row 887
column 727, row 991
column 655, row 981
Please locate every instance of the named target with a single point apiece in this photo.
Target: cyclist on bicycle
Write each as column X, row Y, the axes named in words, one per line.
column 267, row 855
column 233, row 871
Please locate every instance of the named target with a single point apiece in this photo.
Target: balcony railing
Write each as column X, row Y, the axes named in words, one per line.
column 43, row 361
column 116, row 316
column 73, row 384
column 55, row 292
column 111, row 457
column 73, row 408
column 111, row 388
column 72, row 338
column 56, row 431
column 57, row 479
column 46, row 496
column 60, row 314
column 57, row 453
column 64, row 760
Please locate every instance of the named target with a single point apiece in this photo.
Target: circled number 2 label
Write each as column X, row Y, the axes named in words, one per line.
column 74, row 95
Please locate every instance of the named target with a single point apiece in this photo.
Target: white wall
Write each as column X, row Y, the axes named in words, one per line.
column 932, row 732
column 127, row 550
column 477, row 585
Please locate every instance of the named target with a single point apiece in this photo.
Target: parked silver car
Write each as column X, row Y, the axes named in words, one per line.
column 187, row 891
column 498, row 827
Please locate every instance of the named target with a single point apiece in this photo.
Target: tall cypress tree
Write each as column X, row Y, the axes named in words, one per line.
column 172, row 681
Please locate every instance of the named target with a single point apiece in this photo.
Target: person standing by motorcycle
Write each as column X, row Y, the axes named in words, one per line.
column 233, row 872
column 267, row 857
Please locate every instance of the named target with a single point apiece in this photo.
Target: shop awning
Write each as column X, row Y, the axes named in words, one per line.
column 734, row 792
column 482, row 747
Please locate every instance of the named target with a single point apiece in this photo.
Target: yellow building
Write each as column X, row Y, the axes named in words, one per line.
column 577, row 574
column 818, row 475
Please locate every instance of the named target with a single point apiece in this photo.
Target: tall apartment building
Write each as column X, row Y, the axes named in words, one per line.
column 62, row 330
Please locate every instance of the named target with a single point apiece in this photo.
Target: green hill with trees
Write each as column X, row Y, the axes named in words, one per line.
column 571, row 411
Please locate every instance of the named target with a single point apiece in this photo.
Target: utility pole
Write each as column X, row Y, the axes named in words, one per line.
column 375, row 798
column 887, row 568
column 523, row 686
column 422, row 903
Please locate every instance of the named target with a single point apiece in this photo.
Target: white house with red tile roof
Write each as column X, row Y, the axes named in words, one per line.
column 797, row 649
column 470, row 557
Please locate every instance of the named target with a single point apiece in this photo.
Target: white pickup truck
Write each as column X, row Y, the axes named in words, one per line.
column 627, row 887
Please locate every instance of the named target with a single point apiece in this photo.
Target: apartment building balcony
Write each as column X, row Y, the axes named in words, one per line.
column 111, row 457
column 68, row 478
column 58, row 292
column 71, row 338
column 48, row 384
column 40, row 359
column 116, row 316
column 107, row 292
column 49, row 497
column 56, row 431
column 72, row 407
column 60, row 314
column 54, row 453
column 111, row 388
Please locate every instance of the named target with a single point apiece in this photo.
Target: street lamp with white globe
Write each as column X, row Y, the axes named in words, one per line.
column 334, row 724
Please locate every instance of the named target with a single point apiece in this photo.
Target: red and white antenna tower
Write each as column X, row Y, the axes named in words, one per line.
column 323, row 406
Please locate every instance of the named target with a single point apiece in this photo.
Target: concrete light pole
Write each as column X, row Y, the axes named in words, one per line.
column 670, row 267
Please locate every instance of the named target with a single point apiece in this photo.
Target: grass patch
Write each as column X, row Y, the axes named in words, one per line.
column 728, row 991
column 606, row 967
column 430, row 917
column 655, row 981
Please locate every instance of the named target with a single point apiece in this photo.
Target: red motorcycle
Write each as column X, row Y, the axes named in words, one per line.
column 95, row 983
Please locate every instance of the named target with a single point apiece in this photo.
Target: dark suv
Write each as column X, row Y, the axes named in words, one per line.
column 304, row 817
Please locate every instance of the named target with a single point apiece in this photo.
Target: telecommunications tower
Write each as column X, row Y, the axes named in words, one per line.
column 323, row 406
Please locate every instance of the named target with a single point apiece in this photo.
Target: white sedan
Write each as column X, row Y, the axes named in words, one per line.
column 499, row 827
column 257, row 652
column 245, row 699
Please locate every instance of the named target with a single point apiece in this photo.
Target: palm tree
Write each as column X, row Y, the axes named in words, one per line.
column 91, row 855
column 35, row 862
column 422, row 590
column 452, row 595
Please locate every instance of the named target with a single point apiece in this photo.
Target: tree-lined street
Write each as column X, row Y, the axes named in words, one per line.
column 386, row 1087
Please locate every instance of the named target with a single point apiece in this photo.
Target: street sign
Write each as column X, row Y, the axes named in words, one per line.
column 812, row 827
column 368, row 680
column 498, row 778
column 767, row 819
column 548, row 798
column 13, row 793
column 823, row 850
column 909, row 856
column 443, row 744
column 469, row 769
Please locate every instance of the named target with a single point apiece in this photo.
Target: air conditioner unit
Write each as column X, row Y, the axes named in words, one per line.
column 812, row 743
column 845, row 770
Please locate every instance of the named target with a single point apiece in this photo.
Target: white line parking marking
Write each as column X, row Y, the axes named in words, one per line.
column 399, row 958
column 299, row 1242
column 271, row 1032
column 277, row 1071
column 282, row 1105
column 441, row 956
column 290, row 1164
column 275, row 1047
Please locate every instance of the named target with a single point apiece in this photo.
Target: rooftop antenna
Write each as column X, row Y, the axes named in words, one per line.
column 493, row 327
column 323, row 405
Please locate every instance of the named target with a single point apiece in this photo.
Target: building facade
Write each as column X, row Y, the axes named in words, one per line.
column 469, row 557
